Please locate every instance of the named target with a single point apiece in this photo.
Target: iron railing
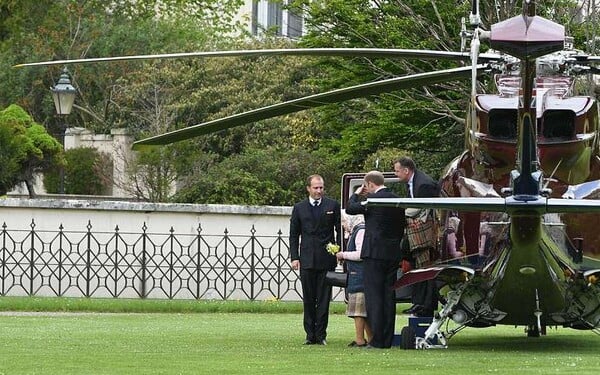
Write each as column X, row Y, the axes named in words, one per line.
column 146, row 265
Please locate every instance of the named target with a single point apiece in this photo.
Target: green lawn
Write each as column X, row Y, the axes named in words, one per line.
column 264, row 343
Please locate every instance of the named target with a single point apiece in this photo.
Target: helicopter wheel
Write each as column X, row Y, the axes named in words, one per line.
column 408, row 338
column 533, row 331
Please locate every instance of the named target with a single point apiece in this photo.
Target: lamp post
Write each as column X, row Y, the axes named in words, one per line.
column 63, row 94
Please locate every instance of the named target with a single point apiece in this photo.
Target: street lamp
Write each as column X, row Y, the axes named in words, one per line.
column 63, row 94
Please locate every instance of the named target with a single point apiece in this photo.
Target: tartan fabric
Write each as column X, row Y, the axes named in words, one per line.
column 422, row 257
column 420, row 234
column 422, row 239
column 356, row 305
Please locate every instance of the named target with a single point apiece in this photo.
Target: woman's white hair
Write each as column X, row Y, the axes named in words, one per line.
column 352, row 220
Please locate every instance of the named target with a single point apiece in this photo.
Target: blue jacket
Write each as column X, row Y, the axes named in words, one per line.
column 354, row 268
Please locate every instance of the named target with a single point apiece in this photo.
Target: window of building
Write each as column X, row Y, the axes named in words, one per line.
column 294, row 24
column 271, row 15
column 274, row 17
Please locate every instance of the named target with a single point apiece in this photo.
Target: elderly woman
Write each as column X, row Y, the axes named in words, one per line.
column 356, row 309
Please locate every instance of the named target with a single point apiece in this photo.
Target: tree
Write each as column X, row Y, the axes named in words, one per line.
column 86, row 171
column 26, row 148
column 168, row 96
column 428, row 118
column 260, row 176
column 69, row 29
column 73, row 29
column 151, row 175
column 9, row 160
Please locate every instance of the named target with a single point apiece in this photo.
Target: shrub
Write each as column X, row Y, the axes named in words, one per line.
column 87, row 171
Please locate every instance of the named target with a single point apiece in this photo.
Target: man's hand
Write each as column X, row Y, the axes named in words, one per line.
column 340, row 255
column 296, row 264
column 362, row 191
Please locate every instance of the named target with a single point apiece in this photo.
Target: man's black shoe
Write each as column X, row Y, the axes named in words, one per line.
column 412, row 309
column 308, row 342
column 423, row 313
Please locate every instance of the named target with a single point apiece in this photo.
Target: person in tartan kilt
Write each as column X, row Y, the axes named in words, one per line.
column 420, row 231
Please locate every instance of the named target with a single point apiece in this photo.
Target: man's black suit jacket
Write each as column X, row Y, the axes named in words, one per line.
column 384, row 227
column 424, row 186
column 309, row 237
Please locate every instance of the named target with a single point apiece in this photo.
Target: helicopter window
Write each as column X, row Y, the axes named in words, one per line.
column 558, row 124
column 502, row 123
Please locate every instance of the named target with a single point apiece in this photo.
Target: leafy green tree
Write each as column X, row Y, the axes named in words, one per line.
column 427, row 118
column 86, row 171
column 63, row 29
column 72, row 29
column 163, row 98
column 26, row 148
column 260, row 176
column 9, row 160
column 151, row 175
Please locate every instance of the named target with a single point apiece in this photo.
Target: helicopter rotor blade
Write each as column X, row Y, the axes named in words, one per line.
column 586, row 59
column 312, row 101
column 348, row 52
column 584, row 64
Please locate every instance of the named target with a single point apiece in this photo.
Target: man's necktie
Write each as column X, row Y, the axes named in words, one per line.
column 315, row 209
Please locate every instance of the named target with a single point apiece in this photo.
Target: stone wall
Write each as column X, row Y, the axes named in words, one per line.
column 73, row 214
column 93, row 248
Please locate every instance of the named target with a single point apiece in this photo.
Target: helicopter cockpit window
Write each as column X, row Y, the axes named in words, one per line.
column 502, row 123
column 558, row 124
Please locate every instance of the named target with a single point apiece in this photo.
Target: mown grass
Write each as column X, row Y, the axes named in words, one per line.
column 226, row 342
column 153, row 305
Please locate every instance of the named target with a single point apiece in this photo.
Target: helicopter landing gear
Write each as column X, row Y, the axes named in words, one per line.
column 534, row 331
column 433, row 338
column 408, row 337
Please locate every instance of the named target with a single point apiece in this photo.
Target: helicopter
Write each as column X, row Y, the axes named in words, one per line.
column 532, row 151
column 531, row 125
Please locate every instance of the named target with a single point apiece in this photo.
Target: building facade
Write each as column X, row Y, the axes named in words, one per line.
column 270, row 16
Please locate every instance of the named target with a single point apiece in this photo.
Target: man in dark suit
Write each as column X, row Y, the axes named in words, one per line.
column 384, row 228
column 315, row 222
column 420, row 185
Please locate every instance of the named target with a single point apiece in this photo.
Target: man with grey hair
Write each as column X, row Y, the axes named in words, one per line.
column 384, row 228
column 420, row 234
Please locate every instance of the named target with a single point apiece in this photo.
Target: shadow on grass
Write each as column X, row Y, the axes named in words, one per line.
column 562, row 340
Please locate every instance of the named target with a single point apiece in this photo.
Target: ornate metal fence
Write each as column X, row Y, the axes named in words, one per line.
column 146, row 265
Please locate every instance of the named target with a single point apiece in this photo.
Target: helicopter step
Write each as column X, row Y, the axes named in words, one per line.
column 416, row 328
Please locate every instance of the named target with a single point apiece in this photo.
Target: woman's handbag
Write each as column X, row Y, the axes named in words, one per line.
column 336, row 278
